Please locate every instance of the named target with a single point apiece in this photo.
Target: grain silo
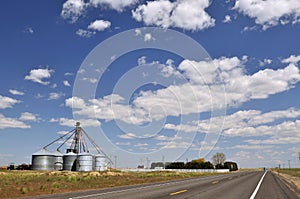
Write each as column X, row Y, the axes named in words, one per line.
column 58, row 161
column 84, row 162
column 77, row 156
column 43, row 160
column 100, row 162
column 69, row 161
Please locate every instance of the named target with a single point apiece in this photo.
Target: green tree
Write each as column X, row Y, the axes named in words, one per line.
column 232, row 166
column 193, row 165
column 157, row 164
column 175, row 165
column 208, row 165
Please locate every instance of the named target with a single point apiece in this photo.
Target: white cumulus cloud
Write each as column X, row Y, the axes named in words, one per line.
column 38, row 75
column 28, row 30
column 227, row 19
column 75, row 102
column 73, row 9
column 71, row 122
column 99, row 25
column 265, row 62
column 16, row 92
column 26, row 116
column 66, row 83
column 68, row 74
column 118, row 5
column 207, row 82
column 7, row 122
column 148, row 37
column 55, row 96
column 142, row 60
column 292, row 59
column 138, row 32
column 85, row 33
column 269, row 13
column 7, row 102
column 189, row 15
column 90, row 79
column 274, row 127
column 128, row 136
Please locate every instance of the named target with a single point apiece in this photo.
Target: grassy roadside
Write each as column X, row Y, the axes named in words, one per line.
column 293, row 171
column 32, row 183
column 290, row 175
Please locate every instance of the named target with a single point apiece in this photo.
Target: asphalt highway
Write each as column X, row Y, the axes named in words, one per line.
column 240, row 185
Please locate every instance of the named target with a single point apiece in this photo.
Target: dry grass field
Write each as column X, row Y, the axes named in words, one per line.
column 293, row 171
column 31, row 183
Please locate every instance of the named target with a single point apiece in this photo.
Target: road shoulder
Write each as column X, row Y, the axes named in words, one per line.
column 292, row 182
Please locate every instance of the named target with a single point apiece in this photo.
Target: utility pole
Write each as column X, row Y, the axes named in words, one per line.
column 289, row 164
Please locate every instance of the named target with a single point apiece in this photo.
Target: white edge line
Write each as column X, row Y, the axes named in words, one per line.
column 258, row 186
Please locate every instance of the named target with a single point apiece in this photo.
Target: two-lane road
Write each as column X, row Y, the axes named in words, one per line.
column 240, row 185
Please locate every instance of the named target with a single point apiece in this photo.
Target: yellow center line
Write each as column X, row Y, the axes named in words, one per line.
column 178, row 192
column 215, row 182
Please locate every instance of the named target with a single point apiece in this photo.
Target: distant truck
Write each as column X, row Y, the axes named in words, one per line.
column 19, row 167
column 12, row 166
column 24, row 167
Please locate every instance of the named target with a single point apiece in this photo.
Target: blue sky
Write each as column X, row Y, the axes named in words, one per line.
column 208, row 77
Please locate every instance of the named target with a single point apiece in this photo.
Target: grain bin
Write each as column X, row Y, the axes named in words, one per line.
column 94, row 163
column 76, row 150
column 43, row 160
column 58, row 161
column 100, row 162
column 84, row 162
column 69, row 161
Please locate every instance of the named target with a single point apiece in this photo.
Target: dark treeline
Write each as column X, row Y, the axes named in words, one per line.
column 232, row 166
column 190, row 165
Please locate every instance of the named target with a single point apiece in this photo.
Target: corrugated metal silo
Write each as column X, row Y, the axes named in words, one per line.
column 94, row 163
column 100, row 161
column 69, row 161
column 58, row 163
column 43, row 160
column 84, row 162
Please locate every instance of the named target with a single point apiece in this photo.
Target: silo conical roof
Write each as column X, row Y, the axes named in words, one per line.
column 100, row 155
column 70, row 153
column 57, row 153
column 43, row 152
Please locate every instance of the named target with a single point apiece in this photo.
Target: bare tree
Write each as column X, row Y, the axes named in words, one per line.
column 218, row 159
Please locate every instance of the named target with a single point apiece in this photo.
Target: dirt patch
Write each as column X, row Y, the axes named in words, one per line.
column 292, row 179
